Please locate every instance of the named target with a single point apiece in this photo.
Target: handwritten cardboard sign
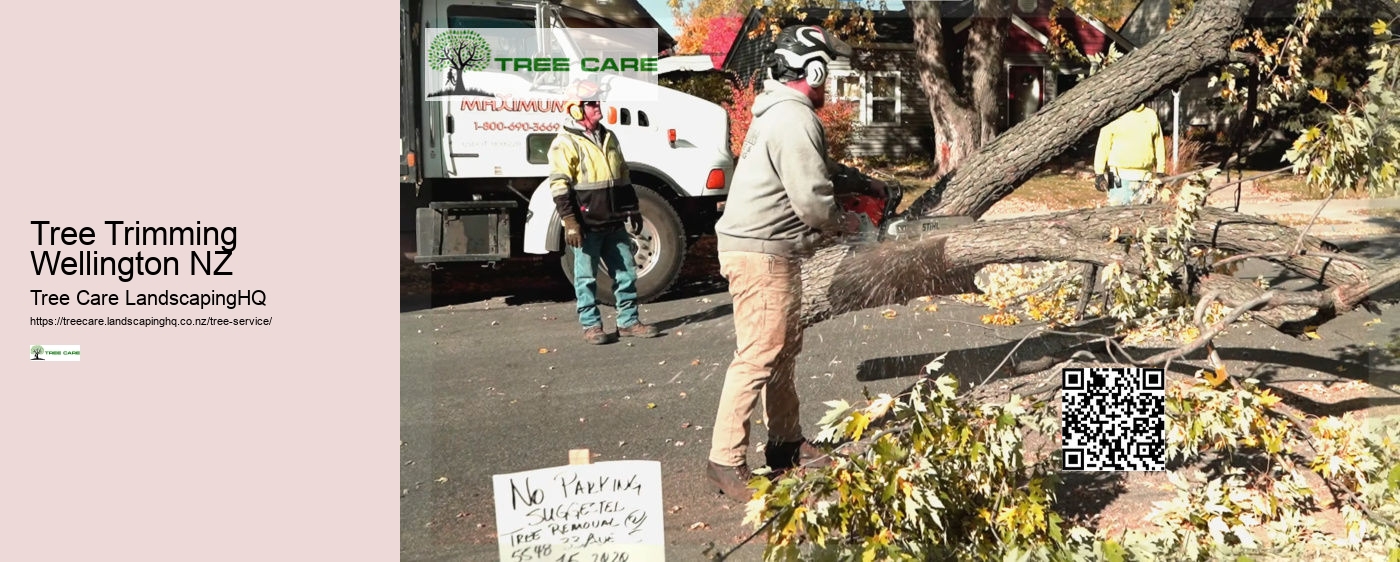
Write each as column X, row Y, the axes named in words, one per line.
column 604, row 512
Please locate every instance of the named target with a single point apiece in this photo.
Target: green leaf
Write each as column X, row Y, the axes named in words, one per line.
column 947, row 387
column 1112, row 551
column 859, row 422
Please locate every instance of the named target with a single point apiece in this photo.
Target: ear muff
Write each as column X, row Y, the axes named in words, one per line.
column 815, row 72
column 575, row 110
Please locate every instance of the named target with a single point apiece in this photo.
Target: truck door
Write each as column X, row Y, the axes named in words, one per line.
column 408, row 93
column 492, row 123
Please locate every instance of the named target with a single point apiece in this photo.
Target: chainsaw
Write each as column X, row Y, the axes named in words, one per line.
column 881, row 220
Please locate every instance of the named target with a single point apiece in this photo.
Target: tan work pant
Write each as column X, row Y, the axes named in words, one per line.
column 767, row 291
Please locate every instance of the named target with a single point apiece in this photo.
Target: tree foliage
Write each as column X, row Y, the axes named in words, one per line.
column 1355, row 144
column 928, row 475
column 934, row 474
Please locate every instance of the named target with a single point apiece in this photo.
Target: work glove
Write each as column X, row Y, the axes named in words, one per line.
column 1101, row 182
column 634, row 223
column 573, row 235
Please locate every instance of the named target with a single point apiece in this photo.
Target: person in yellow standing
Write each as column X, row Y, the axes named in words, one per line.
column 1129, row 151
column 593, row 193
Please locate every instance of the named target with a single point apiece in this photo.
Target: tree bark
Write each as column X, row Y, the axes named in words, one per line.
column 843, row 278
column 965, row 108
column 984, row 178
column 982, row 64
column 852, row 277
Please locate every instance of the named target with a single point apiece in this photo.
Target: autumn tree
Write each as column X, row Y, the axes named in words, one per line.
column 708, row 26
column 935, row 474
column 943, row 263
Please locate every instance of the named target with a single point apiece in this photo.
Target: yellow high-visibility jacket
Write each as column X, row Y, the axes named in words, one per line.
column 1132, row 142
column 588, row 180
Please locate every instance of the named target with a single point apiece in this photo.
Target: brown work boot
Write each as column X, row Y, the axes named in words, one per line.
column 638, row 330
column 797, row 454
column 732, row 481
column 595, row 335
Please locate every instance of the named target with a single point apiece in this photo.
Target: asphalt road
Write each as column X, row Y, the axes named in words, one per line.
column 495, row 378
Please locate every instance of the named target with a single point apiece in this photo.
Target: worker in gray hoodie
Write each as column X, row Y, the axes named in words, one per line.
column 781, row 206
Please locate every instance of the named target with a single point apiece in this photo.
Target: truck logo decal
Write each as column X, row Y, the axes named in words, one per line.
column 457, row 51
column 535, row 63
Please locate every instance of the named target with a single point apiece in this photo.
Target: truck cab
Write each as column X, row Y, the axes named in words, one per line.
column 474, row 146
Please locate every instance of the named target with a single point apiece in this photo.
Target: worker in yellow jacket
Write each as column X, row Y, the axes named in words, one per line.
column 1129, row 151
column 593, row 193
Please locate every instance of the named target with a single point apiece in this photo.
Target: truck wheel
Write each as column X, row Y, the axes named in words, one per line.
column 660, row 250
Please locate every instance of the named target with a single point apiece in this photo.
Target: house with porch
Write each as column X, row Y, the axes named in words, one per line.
column 882, row 82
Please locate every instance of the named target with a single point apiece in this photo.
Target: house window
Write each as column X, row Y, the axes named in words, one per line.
column 875, row 94
column 882, row 98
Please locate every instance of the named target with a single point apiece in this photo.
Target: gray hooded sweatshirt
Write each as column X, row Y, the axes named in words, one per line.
column 782, row 197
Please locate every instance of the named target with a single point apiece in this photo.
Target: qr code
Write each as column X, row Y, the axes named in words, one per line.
column 1113, row 419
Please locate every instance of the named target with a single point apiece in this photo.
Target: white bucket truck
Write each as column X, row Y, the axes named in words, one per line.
column 473, row 161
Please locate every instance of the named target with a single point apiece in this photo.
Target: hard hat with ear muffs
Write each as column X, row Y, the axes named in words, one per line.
column 804, row 51
column 577, row 93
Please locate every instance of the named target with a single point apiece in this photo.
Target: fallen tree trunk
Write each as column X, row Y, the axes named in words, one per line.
column 843, row 278
column 989, row 175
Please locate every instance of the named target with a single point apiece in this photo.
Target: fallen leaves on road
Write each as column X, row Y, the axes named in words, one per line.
column 651, row 405
column 695, row 363
column 544, row 350
column 1372, row 322
column 675, row 509
column 442, row 480
column 889, row 313
column 1311, row 332
column 1001, row 319
column 699, row 525
column 1319, row 388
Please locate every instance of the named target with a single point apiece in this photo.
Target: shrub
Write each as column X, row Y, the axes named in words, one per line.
column 1188, row 155
column 740, row 115
column 838, row 118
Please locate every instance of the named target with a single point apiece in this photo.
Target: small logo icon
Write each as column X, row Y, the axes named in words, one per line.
column 54, row 353
column 457, row 51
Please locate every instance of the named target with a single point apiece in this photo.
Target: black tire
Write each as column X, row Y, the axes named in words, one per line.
column 660, row 251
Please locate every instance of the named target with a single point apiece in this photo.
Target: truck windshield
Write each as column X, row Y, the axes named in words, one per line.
column 531, row 45
column 482, row 17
